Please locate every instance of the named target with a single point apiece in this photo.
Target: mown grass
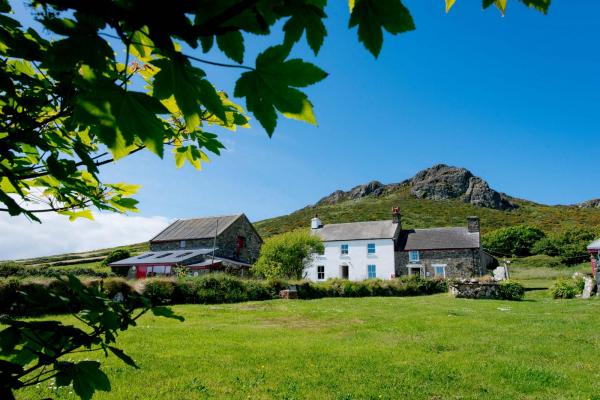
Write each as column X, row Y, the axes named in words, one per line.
column 432, row 347
column 538, row 276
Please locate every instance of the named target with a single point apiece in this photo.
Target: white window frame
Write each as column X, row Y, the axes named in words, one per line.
column 374, row 248
column 443, row 266
column 411, row 253
column 342, row 249
column 319, row 273
column 374, row 271
column 182, row 244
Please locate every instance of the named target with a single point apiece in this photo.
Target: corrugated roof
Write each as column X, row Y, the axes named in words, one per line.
column 197, row 228
column 438, row 238
column 357, row 231
column 160, row 257
column 595, row 245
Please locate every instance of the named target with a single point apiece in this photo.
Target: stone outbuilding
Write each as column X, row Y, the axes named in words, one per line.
column 226, row 243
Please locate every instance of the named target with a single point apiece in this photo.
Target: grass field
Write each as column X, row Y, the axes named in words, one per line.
column 543, row 277
column 433, row 347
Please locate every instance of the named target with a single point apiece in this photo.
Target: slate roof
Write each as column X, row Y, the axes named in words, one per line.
column 209, row 262
column 595, row 245
column 196, row 228
column 162, row 257
column 357, row 231
column 438, row 239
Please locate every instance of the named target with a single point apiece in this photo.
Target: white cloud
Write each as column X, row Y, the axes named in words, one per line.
column 21, row 238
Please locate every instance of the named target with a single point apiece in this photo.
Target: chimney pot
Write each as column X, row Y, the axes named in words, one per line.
column 315, row 223
column 473, row 224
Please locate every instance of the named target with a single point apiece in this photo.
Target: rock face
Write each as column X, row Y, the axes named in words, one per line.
column 443, row 182
column 595, row 203
column 440, row 182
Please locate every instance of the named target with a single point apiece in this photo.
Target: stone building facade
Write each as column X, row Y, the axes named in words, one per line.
column 236, row 238
column 457, row 263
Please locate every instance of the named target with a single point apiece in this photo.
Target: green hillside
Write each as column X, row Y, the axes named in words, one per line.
column 423, row 213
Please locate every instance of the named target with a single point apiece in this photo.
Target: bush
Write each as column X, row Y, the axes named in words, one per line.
column 220, row 288
column 570, row 245
column 116, row 255
column 538, row 261
column 511, row 290
column 564, row 288
column 159, row 290
column 287, row 255
column 114, row 286
column 513, row 240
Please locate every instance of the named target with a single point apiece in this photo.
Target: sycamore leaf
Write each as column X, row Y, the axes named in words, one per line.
column 141, row 45
column 501, row 5
column 372, row 16
column 124, row 357
column 540, row 5
column 73, row 215
column 125, row 189
column 351, row 5
column 309, row 19
column 449, row 4
column 270, row 87
column 232, row 44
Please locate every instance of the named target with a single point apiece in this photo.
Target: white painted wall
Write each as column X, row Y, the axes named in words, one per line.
column 357, row 260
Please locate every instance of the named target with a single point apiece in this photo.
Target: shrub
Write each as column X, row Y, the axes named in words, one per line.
column 513, row 240
column 220, row 288
column 287, row 255
column 113, row 286
column 539, row 261
column 159, row 290
column 257, row 290
column 570, row 246
column 116, row 255
column 511, row 290
column 564, row 288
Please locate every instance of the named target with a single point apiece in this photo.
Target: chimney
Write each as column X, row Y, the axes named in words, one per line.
column 315, row 223
column 396, row 217
column 473, row 224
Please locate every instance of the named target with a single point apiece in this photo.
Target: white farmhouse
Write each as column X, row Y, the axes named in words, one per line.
column 355, row 251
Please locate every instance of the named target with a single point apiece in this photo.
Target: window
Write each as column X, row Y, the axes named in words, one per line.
column 187, row 253
column 439, row 271
column 413, row 256
column 371, row 248
column 145, row 256
column 321, row 272
column 371, row 271
column 344, row 249
column 182, row 244
column 164, row 255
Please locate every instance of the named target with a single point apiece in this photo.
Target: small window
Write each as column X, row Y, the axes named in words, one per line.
column 182, row 244
column 413, row 256
column 164, row 255
column 344, row 249
column 320, row 272
column 439, row 271
column 145, row 256
column 371, row 248
column 371, row 271
column 187, row 253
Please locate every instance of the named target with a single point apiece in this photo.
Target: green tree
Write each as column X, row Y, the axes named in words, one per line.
column 32, row 352
column 513, row 240
column 116, row 255
column 70, row 105
column 287, row 255
column 570, row 246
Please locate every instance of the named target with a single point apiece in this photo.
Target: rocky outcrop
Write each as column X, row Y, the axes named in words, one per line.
column 594, row 203
column 440, row 182
column 443, row 182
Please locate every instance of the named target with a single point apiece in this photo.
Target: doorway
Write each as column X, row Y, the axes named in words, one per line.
column 344, row 271
column 415, row 271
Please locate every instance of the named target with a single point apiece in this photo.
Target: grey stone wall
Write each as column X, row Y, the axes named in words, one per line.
column 226, row 242
column 475, row 290
column 463, row 263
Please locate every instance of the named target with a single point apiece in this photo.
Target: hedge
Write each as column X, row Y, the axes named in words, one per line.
column 207, row 289
column 13, row 269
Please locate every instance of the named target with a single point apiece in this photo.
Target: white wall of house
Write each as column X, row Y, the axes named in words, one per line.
column 357, row 260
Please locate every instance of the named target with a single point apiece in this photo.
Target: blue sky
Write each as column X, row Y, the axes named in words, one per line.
column 515, row 99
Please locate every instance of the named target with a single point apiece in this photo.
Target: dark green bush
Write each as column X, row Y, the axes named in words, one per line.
column 116, row 255
column 258, row 290
column 113, row 286
column 570, row 246
column 220, row 288
column 511, row 290
column 513, row 240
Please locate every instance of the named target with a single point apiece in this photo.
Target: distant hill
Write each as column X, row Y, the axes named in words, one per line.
column 438, row 196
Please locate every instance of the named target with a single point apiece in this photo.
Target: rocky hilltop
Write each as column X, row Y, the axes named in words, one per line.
column 594, row 203
column 440, row 182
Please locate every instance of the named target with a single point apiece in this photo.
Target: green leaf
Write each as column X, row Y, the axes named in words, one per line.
column 73, row 215
column 141, row 45
column 372, row 16
column 124, row 357
column 86, row 376
column 540, row 5
column 306, row 18
column 232, row 44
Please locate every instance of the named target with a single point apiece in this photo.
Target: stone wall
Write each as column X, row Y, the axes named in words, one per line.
column 226, row 242
column 462, row 263
column 475, row 290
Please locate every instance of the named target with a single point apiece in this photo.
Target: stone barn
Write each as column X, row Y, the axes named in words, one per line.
column 226, row 243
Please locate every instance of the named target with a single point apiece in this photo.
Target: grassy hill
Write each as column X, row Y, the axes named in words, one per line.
column 424, row 213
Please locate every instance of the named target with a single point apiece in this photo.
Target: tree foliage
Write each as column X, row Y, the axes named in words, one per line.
column 116, row 255
column 512, row 241
column 287, row 255
column 570, row 246
column 123, row 76
column 32, row 352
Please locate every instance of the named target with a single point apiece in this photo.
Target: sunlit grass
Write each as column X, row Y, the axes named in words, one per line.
column 432, row 347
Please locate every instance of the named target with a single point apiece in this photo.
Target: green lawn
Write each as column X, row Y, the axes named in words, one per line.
column 433, row 347
column 544, row 277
